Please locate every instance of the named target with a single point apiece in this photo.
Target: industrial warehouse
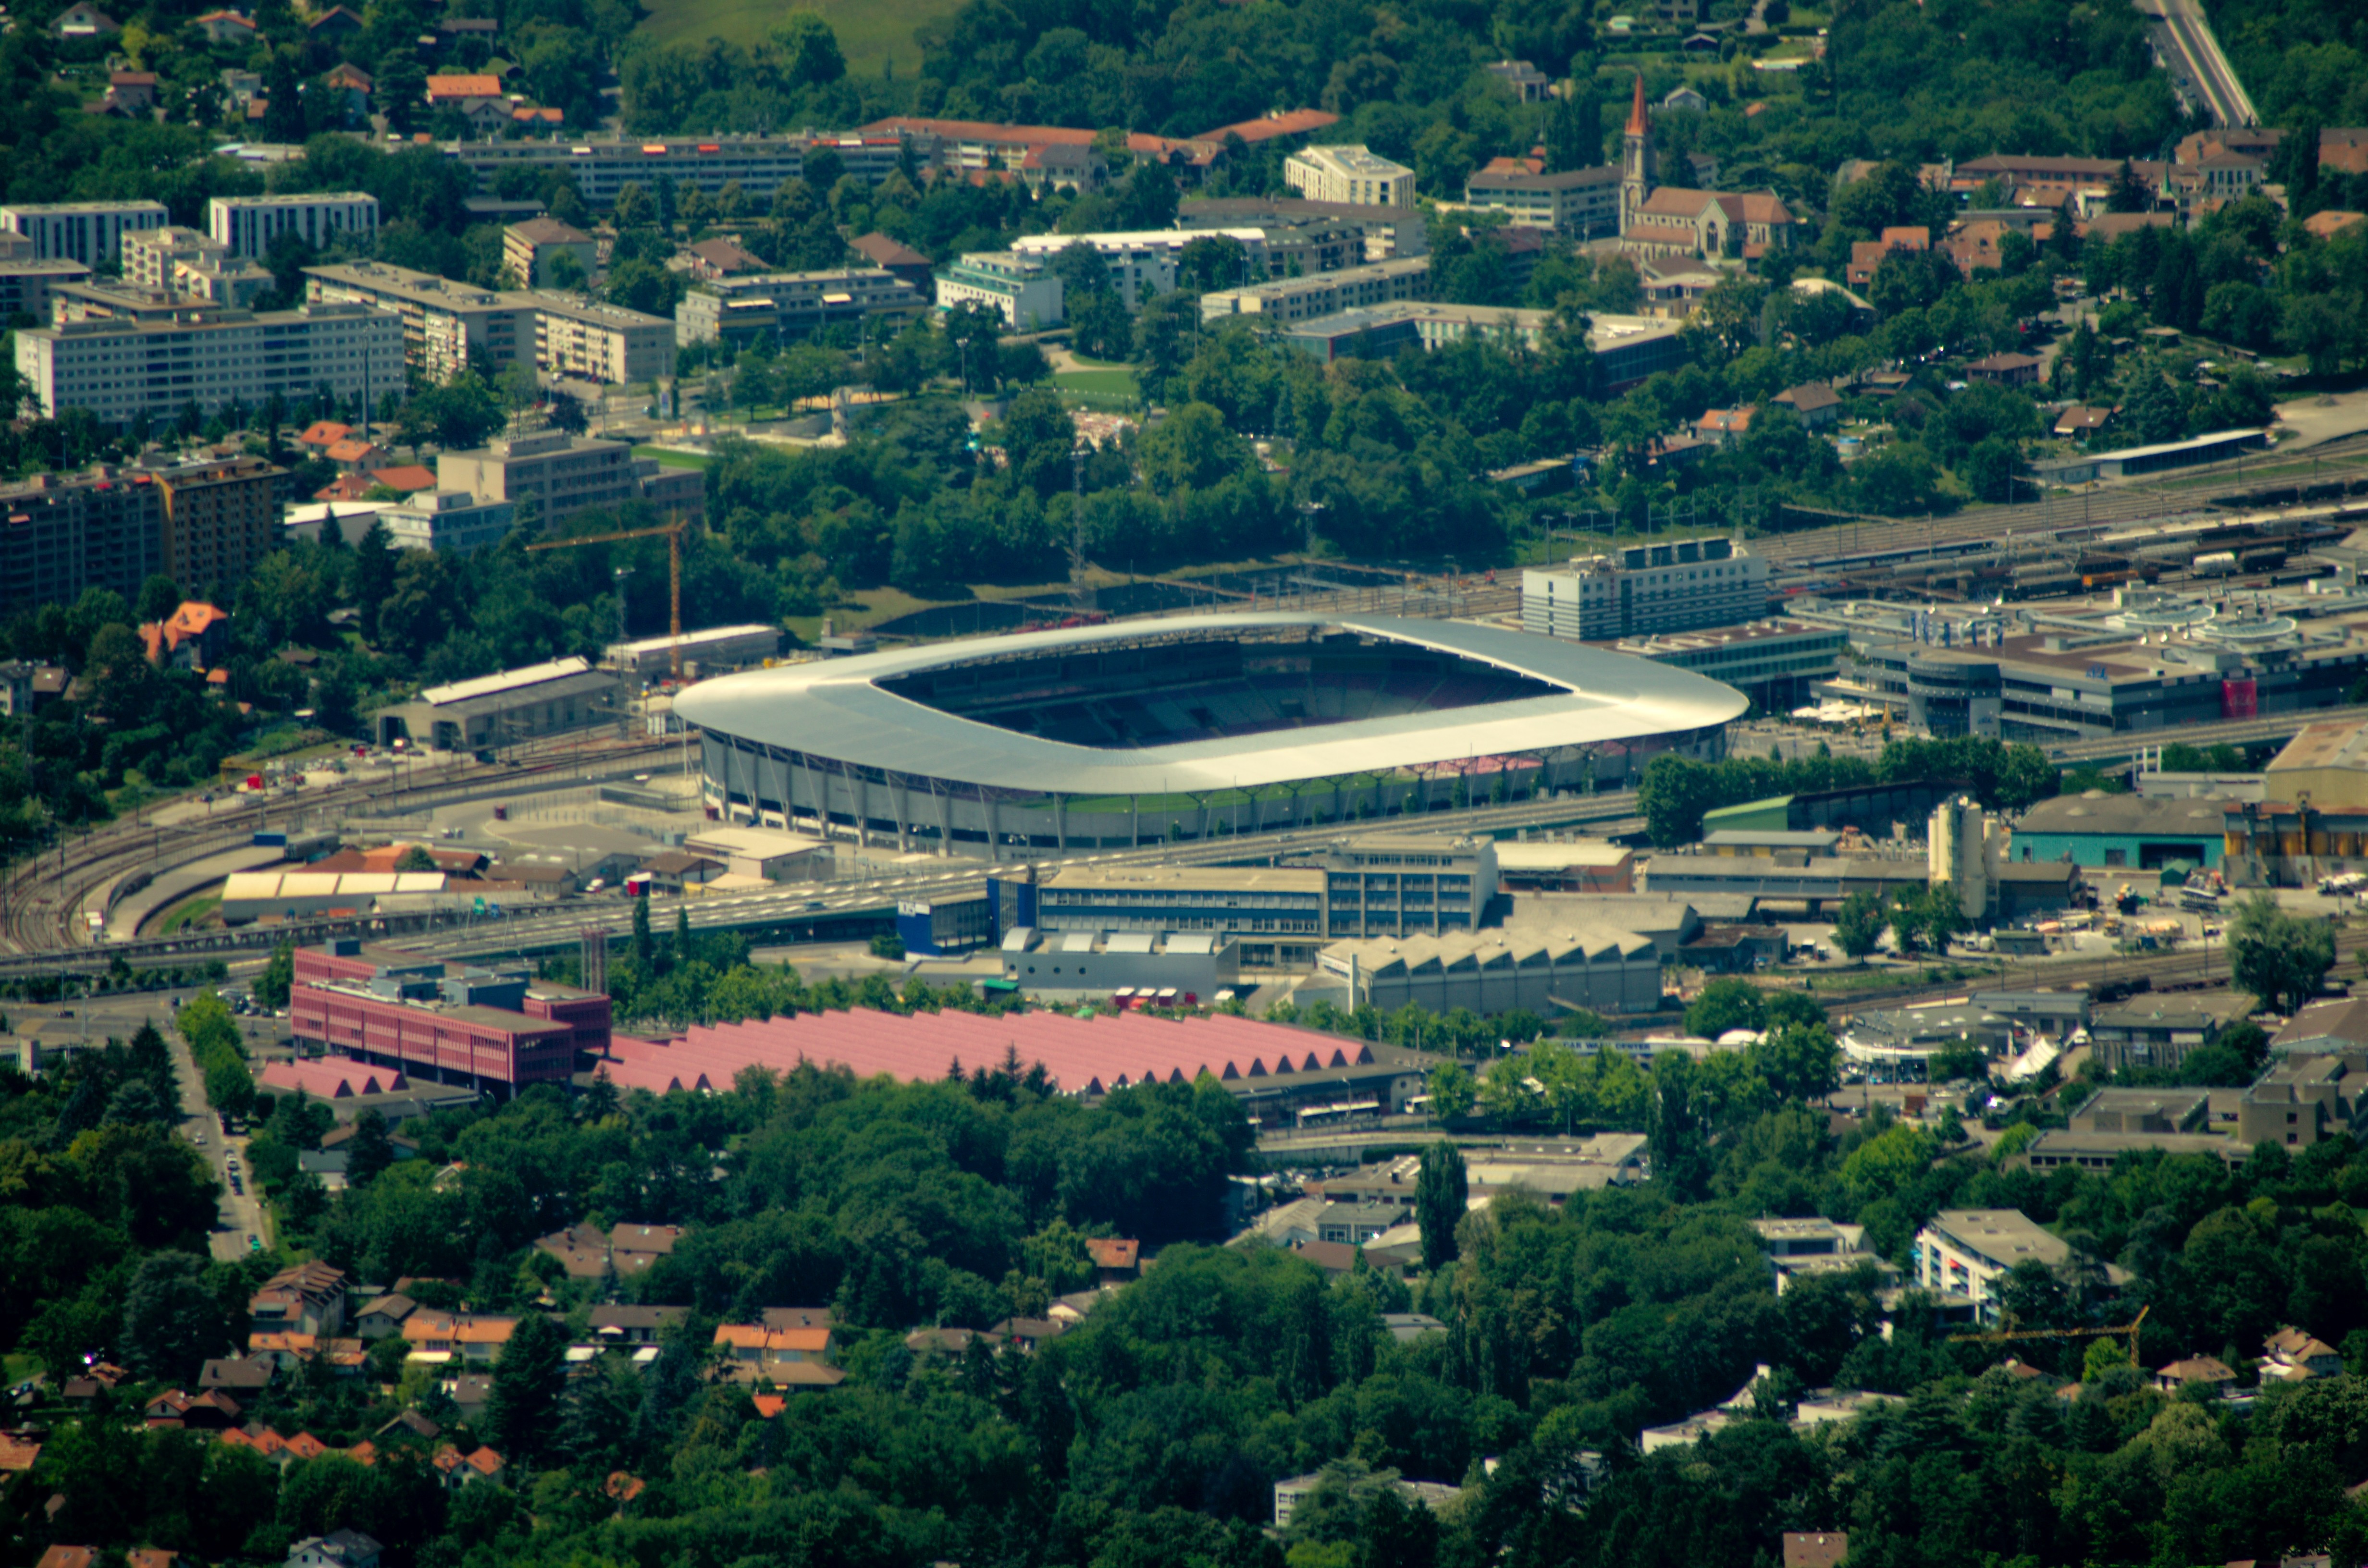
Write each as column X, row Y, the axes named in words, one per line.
column 1185, row 730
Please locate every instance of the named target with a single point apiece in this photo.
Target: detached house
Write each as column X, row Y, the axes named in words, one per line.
column 2291, row 1356
column 309, row 1299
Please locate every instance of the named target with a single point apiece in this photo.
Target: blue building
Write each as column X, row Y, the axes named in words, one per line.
column 2098, row 830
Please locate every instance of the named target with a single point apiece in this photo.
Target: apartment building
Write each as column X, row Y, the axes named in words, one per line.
column 1321, row 294
column 1968, row 1253
column 444, row 323
column 790, row 305
column 27, row 286
column 1353, row 176
column 451, row 522
column 1582, row 203
column 192, row 263
column 1313, row 237
column 1647, row 588
column 529, row 250
column 63, row 533
column 1021, row 287
column 89, row 231
column 219, row 518
column 118, row 368
column 245, row 225
column 603, row 165
column 601, row 343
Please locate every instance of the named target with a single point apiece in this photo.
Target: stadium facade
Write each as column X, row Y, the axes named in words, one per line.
column 1110, row 736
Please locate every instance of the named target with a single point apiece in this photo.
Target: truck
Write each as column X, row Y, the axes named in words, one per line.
column 2219, row 563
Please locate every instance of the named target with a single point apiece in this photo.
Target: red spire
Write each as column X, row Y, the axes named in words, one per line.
column 1636, row 110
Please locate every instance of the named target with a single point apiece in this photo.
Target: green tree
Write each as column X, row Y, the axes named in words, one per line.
column 171, row 1321
column 1453, row 1091
column 414, row 857
column 1726, row 1004
column 1858, row 924
column 1442, row 1192
column 2280, row 958
column 1800, row 1060
column 368, row 1151
column 527, row 1383
column 272, row 987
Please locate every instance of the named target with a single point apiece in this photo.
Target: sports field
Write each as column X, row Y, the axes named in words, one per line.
column 871, row 34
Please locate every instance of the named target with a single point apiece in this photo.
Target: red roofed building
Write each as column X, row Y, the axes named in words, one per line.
column 189, row 639
column 1672, row 221
column 1115, row 1257
column 405, row 477
column 321, row 435
column 1270, row 126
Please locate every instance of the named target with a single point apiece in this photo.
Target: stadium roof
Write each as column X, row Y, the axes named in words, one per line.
column 1081, row 1055
column 835, row 708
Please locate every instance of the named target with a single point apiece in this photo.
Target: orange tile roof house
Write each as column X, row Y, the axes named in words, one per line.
column 321, row 435
column 191, row 637
column 1724, row 425
column 1115, row 1257
column 461, row 89
column 463, row 1336
column 1805, row 1548
column 1267, row 127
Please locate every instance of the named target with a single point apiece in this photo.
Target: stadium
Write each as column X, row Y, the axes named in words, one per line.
column 1110, row 736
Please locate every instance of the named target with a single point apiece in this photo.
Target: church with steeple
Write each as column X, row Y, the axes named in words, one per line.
column 1665, row 222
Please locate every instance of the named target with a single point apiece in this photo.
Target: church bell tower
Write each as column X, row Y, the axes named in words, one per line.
column 1635, row 159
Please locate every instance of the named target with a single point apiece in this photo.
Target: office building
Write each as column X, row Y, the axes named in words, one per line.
column 25, row 286
column 87, row 232
column 495, row 1029
column 1313, row 237
column 600, row 343
column 562, row 474
column 1774, row 663
column 451, row 522
column 738, row 309
column 1349, row 176
column 603, row 165
column 120, row 369
column 1395, row 885
column 445, row 324
column 1023, row 289
column 64, row 534
column 194, row 265
column 530, row 249
column 220, row 519
column 1645, row 589
column 710, row 651
column 1314, row 295
column 246, row 225
column 1581, row 203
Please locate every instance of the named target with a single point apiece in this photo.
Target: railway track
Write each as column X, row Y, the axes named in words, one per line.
column 41, row 896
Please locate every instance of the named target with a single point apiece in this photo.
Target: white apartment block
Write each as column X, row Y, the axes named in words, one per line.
column 25, row 286
column 1350, row 175
column 1024, row 289
column 118, row 368
column 603, row 165
column 452, row 522
column 601, row 343
column 87, row 232
column 1323, row 293
column 443, row 322
column 1583, row 203
column 1143, row 262
column 1968, row 1253
column 245, row 225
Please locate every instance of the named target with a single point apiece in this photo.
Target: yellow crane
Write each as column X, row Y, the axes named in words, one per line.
column 672, row 532
column 2001, row 1336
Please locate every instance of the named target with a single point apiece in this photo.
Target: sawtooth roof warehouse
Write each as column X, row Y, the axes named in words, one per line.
column 1115, row 735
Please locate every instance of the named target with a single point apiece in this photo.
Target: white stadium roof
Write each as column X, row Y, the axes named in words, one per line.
column 835, row 708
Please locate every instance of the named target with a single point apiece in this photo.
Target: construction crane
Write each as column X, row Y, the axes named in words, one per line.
column 672, row 532
column 2003, row 1336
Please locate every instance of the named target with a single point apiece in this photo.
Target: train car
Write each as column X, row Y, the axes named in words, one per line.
column 2219, row 563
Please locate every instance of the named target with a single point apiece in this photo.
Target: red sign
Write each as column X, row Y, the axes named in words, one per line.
column 2239, row 700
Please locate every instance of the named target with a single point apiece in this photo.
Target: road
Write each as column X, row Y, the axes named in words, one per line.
column 241, row 1213
column 2198, row 57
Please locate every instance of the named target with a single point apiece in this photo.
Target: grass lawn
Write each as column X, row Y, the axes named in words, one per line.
column 1106, row 383
column 871, row 36
column 17, row 1368
column 667, row 458
column 189, row 913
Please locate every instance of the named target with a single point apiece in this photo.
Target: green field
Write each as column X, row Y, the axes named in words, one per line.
column 667, row 458
column 871, row 36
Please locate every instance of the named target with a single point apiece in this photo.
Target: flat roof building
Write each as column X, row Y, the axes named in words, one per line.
column 187, row 262
column 491, row 1027
column 446, row 326
column 1356, row 175
column 87, row 232
column 738, row 309
column 1581, row 203
column 63, row 534
column 450, row 522
column 118, row 368
column 1024, row 289
column 529, row 249
column 221, row 520
column 1318, row 294
column 246, row 225
column 1969, row 1252
column 711, row 650
column 564, row 474
column 600, row 343
column 26, row 284
column 600, row 166
column 1649, row 589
